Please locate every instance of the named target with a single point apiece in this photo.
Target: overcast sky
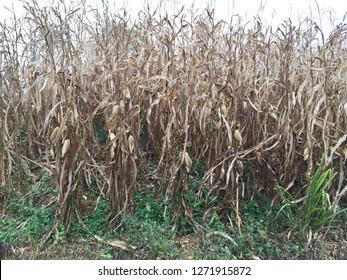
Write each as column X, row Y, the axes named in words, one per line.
column 273, row 12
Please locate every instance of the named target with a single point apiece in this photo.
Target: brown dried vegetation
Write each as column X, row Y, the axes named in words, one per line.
column 227, row 94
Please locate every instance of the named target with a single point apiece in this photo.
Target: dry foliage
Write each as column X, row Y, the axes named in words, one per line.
column 229, row 95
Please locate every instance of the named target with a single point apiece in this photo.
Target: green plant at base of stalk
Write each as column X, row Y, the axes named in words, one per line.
column 317, row 211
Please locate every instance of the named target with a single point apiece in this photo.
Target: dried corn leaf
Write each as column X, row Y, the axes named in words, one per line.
column 224, row 110
column 245, row 105
column 121, row 244
column 51, row 153
column 218, row 125
column 338, row 144
column 113, row 140
column 112, row 152
column 222, row 172
column 306, row 154
column 259, row 157
column 344, row 152
column 274, row 116
column 187, row 161
column 115, row 110
column 55, row 135
column 112, row 136
column 65, row 148
column 239, row 167
column 238, row 137
column 117, row 243
column 133, row 112
column 131, row 144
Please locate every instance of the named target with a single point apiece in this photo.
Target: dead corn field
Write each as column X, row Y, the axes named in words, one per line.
column 87, row 96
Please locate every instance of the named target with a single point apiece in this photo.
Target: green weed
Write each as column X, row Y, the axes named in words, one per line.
column 315, row 211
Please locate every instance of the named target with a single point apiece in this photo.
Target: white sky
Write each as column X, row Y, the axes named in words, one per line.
column 274, row 12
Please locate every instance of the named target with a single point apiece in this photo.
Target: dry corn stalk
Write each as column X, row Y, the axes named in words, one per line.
column 83, row 104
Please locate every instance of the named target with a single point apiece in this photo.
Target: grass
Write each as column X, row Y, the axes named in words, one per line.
column 261, row 238
column 316, row 213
